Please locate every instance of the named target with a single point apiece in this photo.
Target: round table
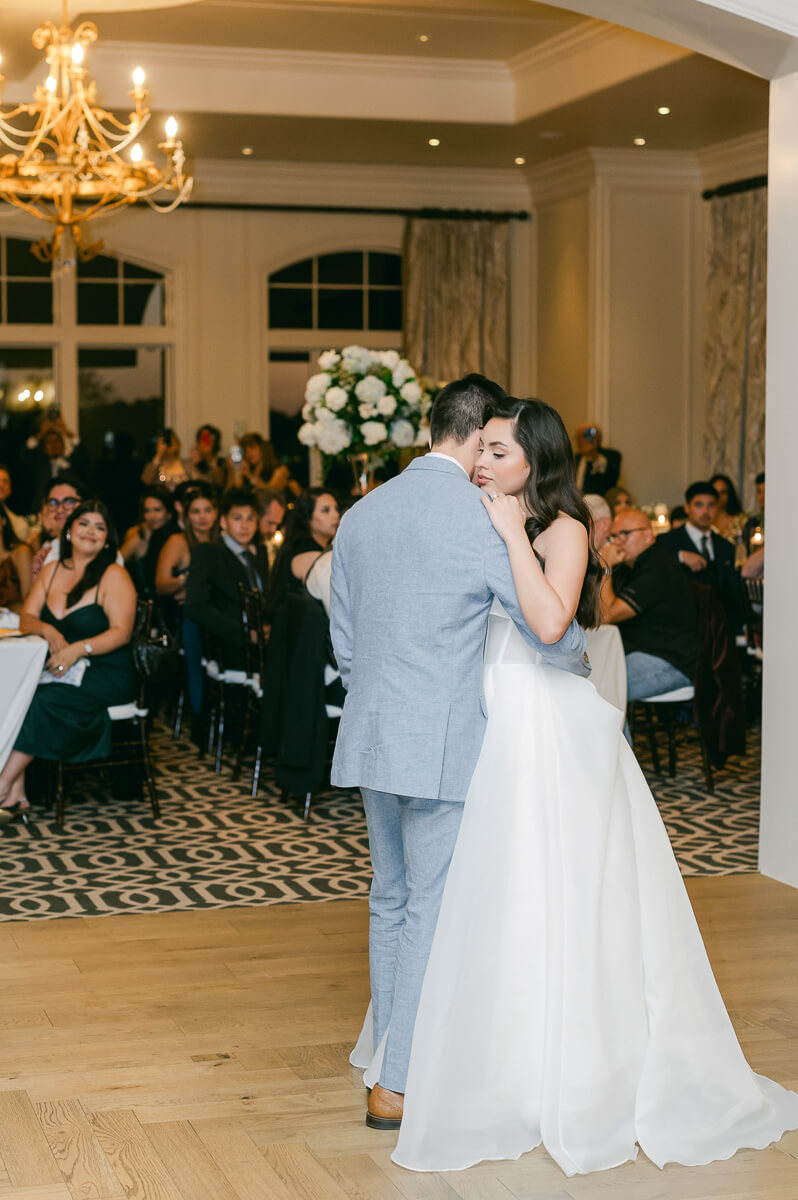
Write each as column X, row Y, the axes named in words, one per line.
column 21, row 663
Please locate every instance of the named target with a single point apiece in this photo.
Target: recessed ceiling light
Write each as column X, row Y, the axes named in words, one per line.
column 423, row 37
column 247, row 150
column 640, row 141
column 519, row 162
column 434, row 142
column 663, row 110
column 550, row 134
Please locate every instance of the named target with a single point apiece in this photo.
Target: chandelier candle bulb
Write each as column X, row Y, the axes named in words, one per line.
column 51, row 83
column 136, row 154
column 77, row 54
column 171, row 128
column 139, row 77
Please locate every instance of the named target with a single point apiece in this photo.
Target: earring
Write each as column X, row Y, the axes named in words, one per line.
column 69, row 537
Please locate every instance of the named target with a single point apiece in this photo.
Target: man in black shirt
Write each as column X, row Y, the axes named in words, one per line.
column 651, row 601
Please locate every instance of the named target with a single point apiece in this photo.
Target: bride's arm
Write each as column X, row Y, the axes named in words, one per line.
column 548, row 602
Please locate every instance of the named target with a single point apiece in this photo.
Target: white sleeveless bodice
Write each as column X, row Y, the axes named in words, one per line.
column 504, row 645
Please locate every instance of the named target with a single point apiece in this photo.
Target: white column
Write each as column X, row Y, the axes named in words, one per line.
column 778, row 844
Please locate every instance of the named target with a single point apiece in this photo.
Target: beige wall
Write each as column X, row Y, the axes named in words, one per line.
column 563, row 253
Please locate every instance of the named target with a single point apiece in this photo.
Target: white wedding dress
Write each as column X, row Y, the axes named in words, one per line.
column 568, row 997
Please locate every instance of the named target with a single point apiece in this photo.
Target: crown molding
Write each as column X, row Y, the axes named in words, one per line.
column 737, row 158
column 572, row 174
column 380, row 186
column 568, row 175
column 591, row 33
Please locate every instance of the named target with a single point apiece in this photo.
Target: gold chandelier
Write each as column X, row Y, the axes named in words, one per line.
column 68, row 166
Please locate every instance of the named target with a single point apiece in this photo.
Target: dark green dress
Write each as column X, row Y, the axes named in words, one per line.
column 71, row 724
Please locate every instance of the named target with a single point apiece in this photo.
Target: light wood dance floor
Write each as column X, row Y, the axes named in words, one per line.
column 203, row 1056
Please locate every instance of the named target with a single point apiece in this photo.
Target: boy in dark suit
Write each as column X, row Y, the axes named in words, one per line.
column 705, row 555
column 212, row 595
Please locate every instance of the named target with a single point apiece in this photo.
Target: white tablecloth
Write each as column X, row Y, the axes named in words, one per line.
column 605, row 650
column 21, row 662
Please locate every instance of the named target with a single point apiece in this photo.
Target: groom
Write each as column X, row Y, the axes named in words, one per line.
column 416, row 565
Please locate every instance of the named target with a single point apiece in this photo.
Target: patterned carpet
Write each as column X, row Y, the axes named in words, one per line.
column 215, row 847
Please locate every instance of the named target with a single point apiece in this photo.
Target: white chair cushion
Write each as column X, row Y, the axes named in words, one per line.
column 677, row 696
column 126, row 712
column 333, row 710
column 213, row 672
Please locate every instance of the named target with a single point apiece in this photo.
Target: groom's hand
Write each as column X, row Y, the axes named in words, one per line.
column 506, row 514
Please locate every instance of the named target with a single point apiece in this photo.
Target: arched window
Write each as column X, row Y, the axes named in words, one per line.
column 92, row 345
column 356, row 289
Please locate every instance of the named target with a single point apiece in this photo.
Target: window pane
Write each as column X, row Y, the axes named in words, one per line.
column 98, row 304
column 385, row 310
column 290, row 308
column 29, row 303
column 101, row 267
column 132, row 271
column 385, row 268
column 339, row 309
column 341, row 268
column 143, row 304
column 23, row 369
column 121, row 391
column 20, row 260
column 299, row 272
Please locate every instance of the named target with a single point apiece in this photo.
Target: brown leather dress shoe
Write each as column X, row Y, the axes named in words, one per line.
column 384, row 1108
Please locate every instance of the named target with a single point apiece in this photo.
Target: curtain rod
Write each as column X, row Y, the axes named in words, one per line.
column 427, row 214
column 733, row 189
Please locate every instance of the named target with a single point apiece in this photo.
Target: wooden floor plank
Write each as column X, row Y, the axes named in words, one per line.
column 138, row 1167
column 237, row 1157
column 24, row 1149
column 189, row 1163
column 75, row 1148
column 302, row 1173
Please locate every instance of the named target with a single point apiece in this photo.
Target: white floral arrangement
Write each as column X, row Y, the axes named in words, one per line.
column 365, row 401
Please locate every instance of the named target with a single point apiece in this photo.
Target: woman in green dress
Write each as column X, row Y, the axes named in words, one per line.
column 84, row 605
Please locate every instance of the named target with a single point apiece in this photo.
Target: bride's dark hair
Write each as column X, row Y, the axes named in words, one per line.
column 551, row 487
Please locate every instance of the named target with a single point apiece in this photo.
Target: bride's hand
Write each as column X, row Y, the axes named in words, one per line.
column 506, row 514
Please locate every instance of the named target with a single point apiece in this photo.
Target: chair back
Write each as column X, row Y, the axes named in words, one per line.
column 142, row 625
column 252, row 624
column 719, row 700
column 754, row 599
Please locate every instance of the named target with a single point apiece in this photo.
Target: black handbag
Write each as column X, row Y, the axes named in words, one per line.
column 155, row 655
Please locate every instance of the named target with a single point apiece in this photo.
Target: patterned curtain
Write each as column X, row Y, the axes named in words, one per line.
column 734, row 350
column 456, row 298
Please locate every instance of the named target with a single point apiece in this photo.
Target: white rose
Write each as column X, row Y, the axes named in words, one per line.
column 410, row 392
column 335, row 437
column 385, row 358
column 402, row 434
column 336, row 398
column 386, row 406
column 370, row 388
column 329, row 359
column 367, row 410
column 356, row 359
column 308, row 412
column 402, row 372
column 373, row 432
column 307, row 434
column 324, row 416
column 316, row 386
column 422, row 437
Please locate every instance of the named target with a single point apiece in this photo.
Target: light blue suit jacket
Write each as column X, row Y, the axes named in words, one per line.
column 416, row 565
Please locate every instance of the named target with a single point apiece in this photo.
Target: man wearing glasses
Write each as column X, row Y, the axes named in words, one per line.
column 650, row 599
column 63, row 495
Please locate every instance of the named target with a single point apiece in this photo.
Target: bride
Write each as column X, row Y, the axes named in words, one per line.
column 568, row 998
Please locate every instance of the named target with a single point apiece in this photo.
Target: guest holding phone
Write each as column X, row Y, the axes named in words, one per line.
column 597, row 466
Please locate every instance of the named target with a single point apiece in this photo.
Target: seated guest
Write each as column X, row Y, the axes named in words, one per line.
column 165, row 467
column 652, row 603
column 597, row 467
column 217, row 568
column 15, row 565
column 678, row 516
column 261, row 468
column 84, row 605
column 202, row 514
column 705, row 555
column 271, row 509
column 18, row 524
column 729, row 517
column 144, row 542
column 319, row 578
column 602, row 519
column 754, row 565
column 757, row 520
column 53, row 451
column 206, row 464
column 62, row 498
column 311, row 527
column 618, row 499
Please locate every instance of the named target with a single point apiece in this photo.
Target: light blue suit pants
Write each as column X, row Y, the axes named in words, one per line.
column 411, row 842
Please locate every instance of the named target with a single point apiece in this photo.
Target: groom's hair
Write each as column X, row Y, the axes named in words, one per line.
column 462, row 407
